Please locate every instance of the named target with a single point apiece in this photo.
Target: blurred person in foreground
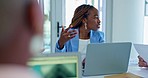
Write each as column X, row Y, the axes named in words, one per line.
column 21, row 24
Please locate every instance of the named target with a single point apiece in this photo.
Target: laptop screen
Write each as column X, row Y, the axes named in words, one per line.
column 57, row 66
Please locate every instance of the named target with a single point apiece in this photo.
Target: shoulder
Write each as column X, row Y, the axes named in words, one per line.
column 100, row 33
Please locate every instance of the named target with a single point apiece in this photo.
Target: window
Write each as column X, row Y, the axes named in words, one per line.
column 47, row 26
column 45, row 6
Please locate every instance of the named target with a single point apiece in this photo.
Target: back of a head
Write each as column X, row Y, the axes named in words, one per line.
column 20, row 21
column 15, row 31
column 12, row 13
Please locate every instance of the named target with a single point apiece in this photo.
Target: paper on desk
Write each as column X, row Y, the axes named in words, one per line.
column 142, row 51
column 124, row 75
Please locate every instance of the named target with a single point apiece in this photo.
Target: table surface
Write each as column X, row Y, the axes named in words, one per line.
column 133, row 68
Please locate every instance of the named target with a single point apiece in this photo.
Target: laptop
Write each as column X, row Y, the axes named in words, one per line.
column 107, row 58
column 142, row 50
column 57, row 65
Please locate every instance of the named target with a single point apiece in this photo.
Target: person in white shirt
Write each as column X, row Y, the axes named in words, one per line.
column 21, row 21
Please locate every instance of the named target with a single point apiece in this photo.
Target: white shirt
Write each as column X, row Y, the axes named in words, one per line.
column 83, row 46
column 16, row 71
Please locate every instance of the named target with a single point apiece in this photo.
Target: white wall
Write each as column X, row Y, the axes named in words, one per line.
column 126, row 21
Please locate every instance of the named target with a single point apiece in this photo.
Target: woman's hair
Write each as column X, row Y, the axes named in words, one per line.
column 80, row 13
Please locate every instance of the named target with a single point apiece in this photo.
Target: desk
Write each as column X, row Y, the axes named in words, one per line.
column 133, row 68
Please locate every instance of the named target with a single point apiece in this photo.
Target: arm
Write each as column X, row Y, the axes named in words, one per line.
column 58, row 49
column 65, row 36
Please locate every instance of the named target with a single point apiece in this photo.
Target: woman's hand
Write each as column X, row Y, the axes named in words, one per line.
column 66, row 35
column 141, row 62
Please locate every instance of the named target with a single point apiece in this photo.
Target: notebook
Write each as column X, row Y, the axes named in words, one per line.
column 107, row 58
column 57, row 65
column 142, row 50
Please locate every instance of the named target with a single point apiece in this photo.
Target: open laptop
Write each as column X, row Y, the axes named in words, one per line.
column 107, row 58
column 57, row 65
column 142, row 50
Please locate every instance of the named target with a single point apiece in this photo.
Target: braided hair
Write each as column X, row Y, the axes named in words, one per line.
column 80, row 13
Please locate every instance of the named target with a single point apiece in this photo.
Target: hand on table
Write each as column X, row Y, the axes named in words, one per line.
column 141, row 62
